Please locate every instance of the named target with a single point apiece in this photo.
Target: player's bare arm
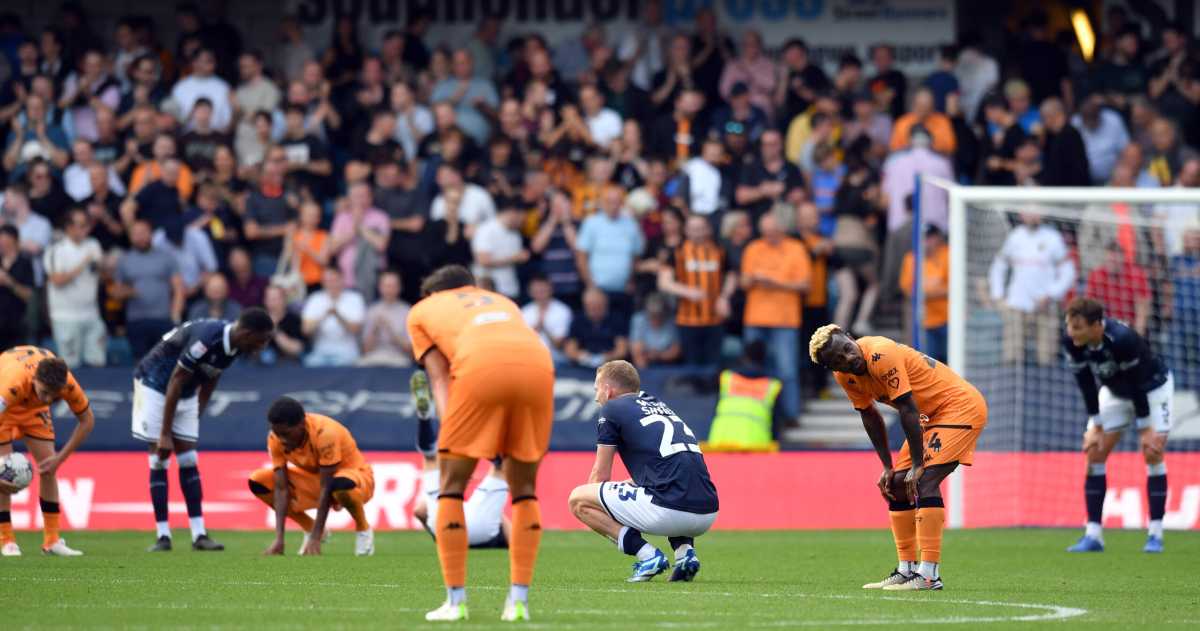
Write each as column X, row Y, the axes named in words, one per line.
column 205, row 392
column 602, row 468
column 910, row 422
column 313, row 546
column 876, row 430
column 282, row 499
column 86, row 422
column 437, row 365
column 166, row 441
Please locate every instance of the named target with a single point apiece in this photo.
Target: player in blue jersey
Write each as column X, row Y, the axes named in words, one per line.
column 171, row 387
column 671, row 493
column 1136, row 388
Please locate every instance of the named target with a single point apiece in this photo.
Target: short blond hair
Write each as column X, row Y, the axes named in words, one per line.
column 621, row 375
column 820, row 339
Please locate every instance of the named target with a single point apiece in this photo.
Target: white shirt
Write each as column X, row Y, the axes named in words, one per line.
column 496, row 239
column 1039, row 264
column 77, row 301
column 475, row 207
column 78, row 182
column 1103, row 144
column 976, row 74
column 331, row 337
column 553, row 325
column 193, row 88
column 605, row 127
column 704, row 185
column 650, row 60
column 411, row 127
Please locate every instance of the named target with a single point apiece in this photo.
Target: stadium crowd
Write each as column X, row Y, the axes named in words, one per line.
column 650, row 194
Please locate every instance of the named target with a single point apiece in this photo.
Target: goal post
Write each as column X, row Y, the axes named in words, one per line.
column 1032, row 471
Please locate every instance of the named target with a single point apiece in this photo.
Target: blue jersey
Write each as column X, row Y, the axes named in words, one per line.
column 660, row 451
column 1124, row 363
column 201, row 347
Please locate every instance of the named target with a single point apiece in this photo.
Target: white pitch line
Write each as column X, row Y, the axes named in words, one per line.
column 1050, row 612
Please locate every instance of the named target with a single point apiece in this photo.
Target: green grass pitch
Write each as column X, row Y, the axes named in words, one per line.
column 994, row 579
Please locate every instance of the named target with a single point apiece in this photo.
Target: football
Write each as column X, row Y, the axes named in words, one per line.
column 15, row 468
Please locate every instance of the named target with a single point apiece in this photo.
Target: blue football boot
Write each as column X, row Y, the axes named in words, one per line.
column 686, row 568
column 1087, row 544
column 648, row 569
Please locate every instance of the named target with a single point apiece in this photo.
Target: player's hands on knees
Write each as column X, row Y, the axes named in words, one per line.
column 275, row 549
column 50, row 464
column 911, row 479
column 166, row 444
column 885, row 484
column 1091, row 440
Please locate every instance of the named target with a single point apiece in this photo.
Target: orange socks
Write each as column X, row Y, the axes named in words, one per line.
column 904, row 531
column 50, row 525
column 930, row 522
column 6, row 531
column 452, row 539
column 526, row 537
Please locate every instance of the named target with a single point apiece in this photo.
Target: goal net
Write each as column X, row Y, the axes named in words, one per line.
column 1017, row 256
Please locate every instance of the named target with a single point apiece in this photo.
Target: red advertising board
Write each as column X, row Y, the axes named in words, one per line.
column 758, row 491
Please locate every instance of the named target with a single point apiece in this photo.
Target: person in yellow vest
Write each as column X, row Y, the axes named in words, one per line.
column 746, row 408
column 935, row 278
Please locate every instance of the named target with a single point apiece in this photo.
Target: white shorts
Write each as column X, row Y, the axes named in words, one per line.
column 631, row 506
column 484, row 509
column 1116, row 414
column 148, row 406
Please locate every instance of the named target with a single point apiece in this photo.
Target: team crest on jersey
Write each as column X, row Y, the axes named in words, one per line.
column 876, row 357
column 197, row 350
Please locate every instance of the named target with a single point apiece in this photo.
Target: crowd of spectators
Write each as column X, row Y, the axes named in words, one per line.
column 653, row 194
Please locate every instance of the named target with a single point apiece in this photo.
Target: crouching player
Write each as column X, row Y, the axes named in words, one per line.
column 31, row 379
column 327, row 471
column 942, row 416
column 671, row 494
column 487, row 527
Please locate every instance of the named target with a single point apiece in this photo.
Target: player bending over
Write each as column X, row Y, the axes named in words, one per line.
column 1136, row 388
column 942, row 416
column 487, row 527
column 493, row 382
column 326, row 471
column 31, row 380
column 671, row 494
column 171, row 387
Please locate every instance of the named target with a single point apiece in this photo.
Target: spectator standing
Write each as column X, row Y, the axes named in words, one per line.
column 216, row 303
column 856, row 250
column 1064, row 157
column 287, row 343
column 942, row 82
column 653, row 337
column 202, row 82
column 155, row 170
column 77, row 179
column 499, row 249
column 1029, row 278
column 977, row 74
column 292, row 53
column 474, row 204
column 1122, row 77
column 385, row 339
column 775, row 274
column 46, row 197
column 88, row 90
column 607, row 245
column 936, row 124
column 103, row 206
column 603, row 123
column 1042, row 63
column 35, row 135
column 813, row 377
column 332, row 319
column 72, row 271
column 34, row 230
column 474, row 99
column 192, row 250
column 801, row 81
column 245, row 287
column 414, row 121
column 596, row 335
column 1104, row 136
column 270, row 215
column 899, row 180
column 767, row 180
column 740, row 110
column 1121, row 285
column 554, row 244
column 1185, row 329
column 705, row 185
column 149, row 281
column 358, row 239
column 1167, row 153
column 199, row 144
column 889, row 84
column 16, row 287
column 256, row 93
column 698, row 275
column 546, row 315
column 935, row 279
column 753, row 68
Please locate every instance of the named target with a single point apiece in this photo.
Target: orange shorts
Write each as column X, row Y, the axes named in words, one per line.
column 33, row 423
column 306, row 487
column 945, row 443
column 500, row 410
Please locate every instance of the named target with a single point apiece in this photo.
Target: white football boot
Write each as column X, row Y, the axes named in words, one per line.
column 448, row 613
column 515, row 611
column 60, row 549
column 11, row 549
column 364, row 543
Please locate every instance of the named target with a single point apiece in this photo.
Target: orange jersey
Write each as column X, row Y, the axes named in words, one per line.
column 329, row 444
column 894, row 370
column 935, row 276
column 469, row 323
column 17, row 396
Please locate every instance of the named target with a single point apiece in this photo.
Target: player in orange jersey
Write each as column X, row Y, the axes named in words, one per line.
column 493, row 383
column 31, row 380
column 315, row 463
column 942, row 416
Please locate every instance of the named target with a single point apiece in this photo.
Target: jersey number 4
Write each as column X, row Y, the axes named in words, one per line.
column 668, row 447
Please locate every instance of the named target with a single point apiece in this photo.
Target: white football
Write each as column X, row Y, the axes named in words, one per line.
column 16, row 468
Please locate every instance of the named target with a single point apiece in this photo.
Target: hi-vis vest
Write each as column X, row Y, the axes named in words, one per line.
column 743, row 418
